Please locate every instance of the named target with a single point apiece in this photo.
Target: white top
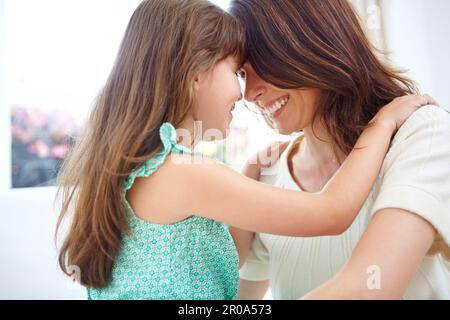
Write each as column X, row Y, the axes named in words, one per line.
column 415, row 176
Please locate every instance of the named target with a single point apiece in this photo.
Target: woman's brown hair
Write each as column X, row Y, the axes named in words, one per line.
column 166, row 44
column 320, row 44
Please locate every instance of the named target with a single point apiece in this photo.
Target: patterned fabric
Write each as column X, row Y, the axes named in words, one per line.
column 194, row 259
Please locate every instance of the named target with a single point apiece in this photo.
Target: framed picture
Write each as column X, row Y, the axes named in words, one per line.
column 40, row 140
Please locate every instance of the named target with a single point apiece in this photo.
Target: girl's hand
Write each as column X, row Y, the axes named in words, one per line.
column 394, row 115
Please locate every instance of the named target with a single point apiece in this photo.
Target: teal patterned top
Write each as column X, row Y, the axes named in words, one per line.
column 194, row 259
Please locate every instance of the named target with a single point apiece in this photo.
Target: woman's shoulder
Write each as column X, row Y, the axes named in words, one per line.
column 426, row 120
column 414, row 174
column 268, row 157
column 433, row 112
column 421, row 145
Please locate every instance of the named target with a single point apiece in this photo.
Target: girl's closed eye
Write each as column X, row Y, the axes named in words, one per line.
column 241, row 73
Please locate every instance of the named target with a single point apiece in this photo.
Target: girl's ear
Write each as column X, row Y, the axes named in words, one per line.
column 196, row 84
column 199, row 80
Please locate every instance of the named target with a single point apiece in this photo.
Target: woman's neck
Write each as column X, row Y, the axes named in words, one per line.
column 314, row 163
column 319, row 147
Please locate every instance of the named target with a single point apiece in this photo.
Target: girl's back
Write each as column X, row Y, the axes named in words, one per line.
column 194, row 258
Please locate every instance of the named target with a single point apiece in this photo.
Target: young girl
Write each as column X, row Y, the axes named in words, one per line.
column 149, row 217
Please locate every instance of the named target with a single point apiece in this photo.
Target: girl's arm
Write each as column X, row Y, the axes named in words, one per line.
column 217, row 192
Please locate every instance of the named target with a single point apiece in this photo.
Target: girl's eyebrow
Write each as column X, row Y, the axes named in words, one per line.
column 242, row 65
column 237, row 64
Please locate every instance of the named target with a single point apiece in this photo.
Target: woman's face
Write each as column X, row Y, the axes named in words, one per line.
column 289, row 110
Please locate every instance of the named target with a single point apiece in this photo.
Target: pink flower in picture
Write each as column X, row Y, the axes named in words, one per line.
column 37, row 118
column 39, row 148
column 41, row 139
column 59, row 151
column 24, row 135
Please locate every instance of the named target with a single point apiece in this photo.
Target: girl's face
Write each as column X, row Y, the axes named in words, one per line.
column 290, row 110
column 217, row 92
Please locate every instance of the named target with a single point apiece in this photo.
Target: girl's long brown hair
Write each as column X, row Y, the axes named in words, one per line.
column 166, row 44
column 321, row 44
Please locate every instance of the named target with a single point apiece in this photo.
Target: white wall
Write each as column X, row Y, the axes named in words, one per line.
column 438, row 36
column 5, row 136
column 28, row 255
column 418, row 37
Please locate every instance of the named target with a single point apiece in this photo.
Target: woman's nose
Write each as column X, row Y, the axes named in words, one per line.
column 253, row 91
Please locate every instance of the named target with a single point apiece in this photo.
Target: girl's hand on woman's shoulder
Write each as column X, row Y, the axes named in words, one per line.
column 395, row 114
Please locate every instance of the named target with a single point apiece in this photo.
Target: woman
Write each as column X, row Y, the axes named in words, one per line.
column 310, row 69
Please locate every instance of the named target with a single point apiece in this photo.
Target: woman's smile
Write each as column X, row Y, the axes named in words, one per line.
column 275, row 108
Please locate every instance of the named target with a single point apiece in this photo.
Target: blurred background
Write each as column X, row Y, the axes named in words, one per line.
column 54, row 57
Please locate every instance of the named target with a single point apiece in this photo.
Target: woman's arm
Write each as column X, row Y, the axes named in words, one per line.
column 412, row 201
column 242, row 238
column 385, row 260
column 243, row 241
column 252, row 290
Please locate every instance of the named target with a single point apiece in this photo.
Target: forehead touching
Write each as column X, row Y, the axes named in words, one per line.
column 236, row 61
column 237, row 56
column 232, row 60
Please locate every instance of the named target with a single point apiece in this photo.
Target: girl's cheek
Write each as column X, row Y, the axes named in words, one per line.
column 235, row 85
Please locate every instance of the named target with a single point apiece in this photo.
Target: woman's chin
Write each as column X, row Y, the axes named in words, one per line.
column 286, row 124
column 281, row 127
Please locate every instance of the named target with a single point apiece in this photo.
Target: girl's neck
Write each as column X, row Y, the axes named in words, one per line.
column 186, row 134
